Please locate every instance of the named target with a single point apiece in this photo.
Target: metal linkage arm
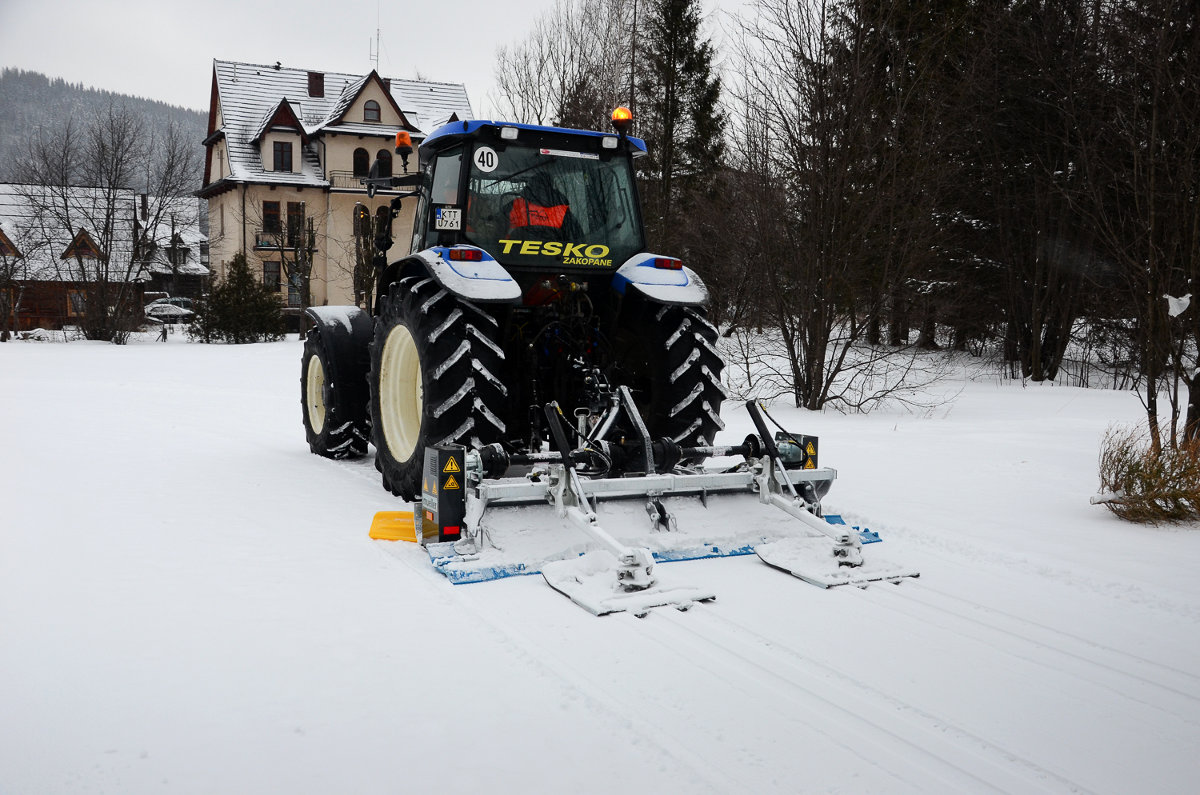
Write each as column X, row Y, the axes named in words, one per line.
column 847, row 546
column 637, row 565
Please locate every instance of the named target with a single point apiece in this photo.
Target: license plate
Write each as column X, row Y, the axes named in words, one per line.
column 448, row 218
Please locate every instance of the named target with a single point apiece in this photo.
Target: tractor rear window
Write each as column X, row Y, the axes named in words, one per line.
column 552, row 207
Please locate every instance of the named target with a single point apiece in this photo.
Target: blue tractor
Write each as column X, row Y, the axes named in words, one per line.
column 530, row 353
column 529, row 284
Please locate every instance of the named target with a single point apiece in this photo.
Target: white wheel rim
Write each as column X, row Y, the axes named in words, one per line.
column 314, row 394
column 400, row 393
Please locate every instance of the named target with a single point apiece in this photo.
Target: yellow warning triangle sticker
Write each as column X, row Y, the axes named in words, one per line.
column 451, row 466
column 810, row 449
column 451, row 483
column 809, row 464
column 425, row 484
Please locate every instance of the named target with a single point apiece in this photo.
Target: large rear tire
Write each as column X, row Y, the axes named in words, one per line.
column 436, row 378
column 668, row 354
column 335, row 411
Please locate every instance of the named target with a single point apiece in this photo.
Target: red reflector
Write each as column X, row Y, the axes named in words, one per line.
column 451, row 530
column 469, row 254
column 668, row 263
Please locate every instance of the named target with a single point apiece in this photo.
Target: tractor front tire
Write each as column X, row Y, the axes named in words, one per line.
column 335, row 418
column 436, row 379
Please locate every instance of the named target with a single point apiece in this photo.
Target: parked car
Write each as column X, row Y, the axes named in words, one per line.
column 183, row 303
column 170, row 310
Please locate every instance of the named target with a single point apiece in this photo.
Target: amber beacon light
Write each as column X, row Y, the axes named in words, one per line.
column 404, row 147
column 622, row 120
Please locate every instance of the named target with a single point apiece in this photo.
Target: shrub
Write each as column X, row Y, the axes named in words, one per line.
column 1140, row 485
column 240, row 309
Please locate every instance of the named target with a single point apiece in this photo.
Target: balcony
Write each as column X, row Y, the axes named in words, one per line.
column 346, row 180
column 275, row 239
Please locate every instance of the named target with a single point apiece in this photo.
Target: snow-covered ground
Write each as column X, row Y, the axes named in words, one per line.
column 189, row 602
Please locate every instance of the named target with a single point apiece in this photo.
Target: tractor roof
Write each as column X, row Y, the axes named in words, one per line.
column 458, row 130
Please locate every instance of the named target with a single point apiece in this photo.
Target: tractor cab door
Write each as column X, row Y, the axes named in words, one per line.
column 438, row 219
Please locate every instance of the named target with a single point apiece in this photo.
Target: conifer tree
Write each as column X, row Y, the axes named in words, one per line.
column 240, row 309
column 678, row 116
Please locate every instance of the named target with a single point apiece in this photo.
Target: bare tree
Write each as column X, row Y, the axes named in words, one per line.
column 839, row 214
column 362, row 256
column 572, row 69
column 81, row 180
column 17, row 244
column 1140, row 157
column 294, row 241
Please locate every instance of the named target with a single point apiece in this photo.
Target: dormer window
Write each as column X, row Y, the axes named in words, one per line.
column 283, row 155
column 371, row 111
column 177, row 252
column 82, row 247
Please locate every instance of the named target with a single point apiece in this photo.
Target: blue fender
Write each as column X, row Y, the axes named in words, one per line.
column 484, row 280
column 663, row 286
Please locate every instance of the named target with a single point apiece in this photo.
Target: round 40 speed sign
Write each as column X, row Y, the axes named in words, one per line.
column 486, row 159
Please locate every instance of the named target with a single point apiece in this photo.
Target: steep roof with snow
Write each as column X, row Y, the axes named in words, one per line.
column 433, row 103
column 49, row 226
column 253, row 99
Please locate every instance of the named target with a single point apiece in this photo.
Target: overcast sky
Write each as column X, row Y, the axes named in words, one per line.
column 163, row 49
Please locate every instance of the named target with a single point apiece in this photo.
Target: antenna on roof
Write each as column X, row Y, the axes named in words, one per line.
column 374, row 53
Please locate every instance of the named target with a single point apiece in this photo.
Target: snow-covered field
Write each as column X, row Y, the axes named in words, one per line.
column 189, row 602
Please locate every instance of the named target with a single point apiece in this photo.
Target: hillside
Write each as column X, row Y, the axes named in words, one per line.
column 30, row 101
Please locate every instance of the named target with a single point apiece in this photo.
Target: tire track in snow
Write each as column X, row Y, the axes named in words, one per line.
column 1185, row 679
column 620, row 709
column 984, row 629
column 955, row 550
column 362, row 469
column 956, row 758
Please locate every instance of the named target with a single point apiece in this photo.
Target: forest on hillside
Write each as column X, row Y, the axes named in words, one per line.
column 31, row 103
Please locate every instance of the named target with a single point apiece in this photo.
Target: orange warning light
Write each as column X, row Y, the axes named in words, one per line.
column 622, row 119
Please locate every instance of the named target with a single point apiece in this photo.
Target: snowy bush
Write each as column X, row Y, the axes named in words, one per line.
column 1142, row 485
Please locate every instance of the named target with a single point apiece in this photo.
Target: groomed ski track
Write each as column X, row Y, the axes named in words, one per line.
column 874, row 728
column 216, row 619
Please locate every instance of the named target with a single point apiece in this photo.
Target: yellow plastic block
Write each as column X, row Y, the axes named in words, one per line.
column 394, row 526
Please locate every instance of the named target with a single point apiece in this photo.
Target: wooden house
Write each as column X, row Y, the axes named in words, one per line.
column 62, row 246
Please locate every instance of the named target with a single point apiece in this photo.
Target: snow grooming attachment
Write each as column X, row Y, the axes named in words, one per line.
column 663, row 512
column 812, row 559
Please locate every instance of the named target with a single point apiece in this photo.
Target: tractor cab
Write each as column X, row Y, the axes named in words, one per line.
column 536, row 199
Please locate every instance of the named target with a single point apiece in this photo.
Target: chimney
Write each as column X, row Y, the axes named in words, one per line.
column 316, row 84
